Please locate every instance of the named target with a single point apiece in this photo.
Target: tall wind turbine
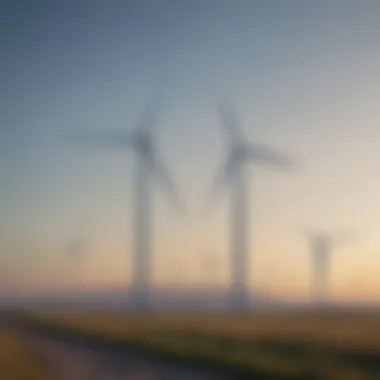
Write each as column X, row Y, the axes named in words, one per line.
column 232, row 172
column 321, row 246
column 148, row 162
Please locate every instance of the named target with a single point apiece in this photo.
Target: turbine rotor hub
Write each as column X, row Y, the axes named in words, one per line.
column 322, row 243
column 238, row 153
column 143, row 142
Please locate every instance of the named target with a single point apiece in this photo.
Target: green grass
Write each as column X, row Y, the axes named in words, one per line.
column 18, row 361
column 336, row 347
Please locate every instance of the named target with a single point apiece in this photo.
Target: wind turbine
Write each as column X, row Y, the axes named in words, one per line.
column 75, row 251
column 321, row 245
column 210, row 268
column 148, row 162
column 232, row 172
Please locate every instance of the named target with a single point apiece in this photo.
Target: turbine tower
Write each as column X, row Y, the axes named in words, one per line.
column 321, row 245
column 211, row 268
column 232, row 172
column 75, row 251
column 148, row 162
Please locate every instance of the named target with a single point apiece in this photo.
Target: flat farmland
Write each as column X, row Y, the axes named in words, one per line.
column 337, row 345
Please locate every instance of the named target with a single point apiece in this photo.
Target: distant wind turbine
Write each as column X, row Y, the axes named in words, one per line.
column 231, row 172
column 75, row 250
column 211, row 267
column 148, row 162
column 321, row 246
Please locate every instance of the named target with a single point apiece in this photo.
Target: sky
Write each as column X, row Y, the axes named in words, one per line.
column 304, row 78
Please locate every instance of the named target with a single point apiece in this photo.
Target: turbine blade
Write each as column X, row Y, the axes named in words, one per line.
column 343, row 236
column 164, row 176
column 106, row 139
column 224, row 174
column 150, row 113
column 149, row 116
column 229, row 119
column 265, row 155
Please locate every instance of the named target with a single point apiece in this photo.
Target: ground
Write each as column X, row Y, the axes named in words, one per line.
column 19, row 361
column 337, row 345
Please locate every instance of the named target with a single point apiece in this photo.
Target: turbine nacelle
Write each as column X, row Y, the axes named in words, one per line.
column 142, row 141
column 322, row 242
column 138, row 140
column 240, row 152
column 321, row 235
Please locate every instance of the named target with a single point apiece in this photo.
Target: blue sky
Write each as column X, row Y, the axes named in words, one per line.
column 304, row 77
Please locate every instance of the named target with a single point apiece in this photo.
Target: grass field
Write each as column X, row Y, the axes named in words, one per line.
column 343, row 346
column 18, row 361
